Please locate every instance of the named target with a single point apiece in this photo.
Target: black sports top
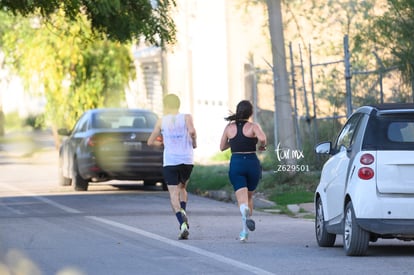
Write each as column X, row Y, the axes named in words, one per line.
column 240, row 143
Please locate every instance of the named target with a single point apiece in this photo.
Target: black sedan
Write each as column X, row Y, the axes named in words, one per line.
column 110, row 144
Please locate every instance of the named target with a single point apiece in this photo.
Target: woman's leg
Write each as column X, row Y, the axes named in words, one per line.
column 250, row 201
column 242, row 200
column 242, row 196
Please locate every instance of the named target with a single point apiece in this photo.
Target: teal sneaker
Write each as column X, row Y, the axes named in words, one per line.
column 243, row 236
column 183, row 232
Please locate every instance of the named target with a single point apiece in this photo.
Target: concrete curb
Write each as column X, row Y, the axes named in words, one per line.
column 260, row 202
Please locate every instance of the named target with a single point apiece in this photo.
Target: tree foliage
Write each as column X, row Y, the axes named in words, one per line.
column 120, row 20
column 393, row 32
column 63, row 60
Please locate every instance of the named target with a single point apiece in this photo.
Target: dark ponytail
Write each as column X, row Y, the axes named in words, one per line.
column 244, row 111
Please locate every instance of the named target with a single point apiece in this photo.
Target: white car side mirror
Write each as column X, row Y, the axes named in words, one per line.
column 323, row 148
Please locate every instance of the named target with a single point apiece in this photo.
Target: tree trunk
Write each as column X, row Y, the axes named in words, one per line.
column 2, row 122
column 284, row 126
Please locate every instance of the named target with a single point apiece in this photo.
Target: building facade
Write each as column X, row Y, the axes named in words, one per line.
column 210, row 67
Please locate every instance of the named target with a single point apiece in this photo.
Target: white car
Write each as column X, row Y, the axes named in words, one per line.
column 366, row 189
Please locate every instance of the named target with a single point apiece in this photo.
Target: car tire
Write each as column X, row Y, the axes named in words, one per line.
column 79, row 183
column 154, row 182
column 63, row 181
column 323, row 237
column 355, row 239
column 150, row 182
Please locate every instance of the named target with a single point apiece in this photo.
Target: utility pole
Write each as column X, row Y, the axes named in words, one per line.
column 284, row 124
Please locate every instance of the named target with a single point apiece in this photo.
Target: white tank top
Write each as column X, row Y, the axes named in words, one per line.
column 178, row 145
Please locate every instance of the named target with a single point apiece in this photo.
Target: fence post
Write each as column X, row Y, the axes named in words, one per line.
column 348, row 77
column 292, row 72
column 315, row 121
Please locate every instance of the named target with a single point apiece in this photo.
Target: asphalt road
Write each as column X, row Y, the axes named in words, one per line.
column 49, row 229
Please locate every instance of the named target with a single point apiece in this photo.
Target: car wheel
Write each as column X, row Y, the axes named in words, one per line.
column 63, row 181
column 323, row 238
column 150, row 182
column 356, row 239
column 79, row 183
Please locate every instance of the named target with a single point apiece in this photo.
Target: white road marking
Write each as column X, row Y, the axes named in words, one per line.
column 42, row 199
column 202, row 252
column 182, row 245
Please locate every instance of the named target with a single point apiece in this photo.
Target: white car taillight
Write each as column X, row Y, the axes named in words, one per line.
column 366, row 159
column 364, row 172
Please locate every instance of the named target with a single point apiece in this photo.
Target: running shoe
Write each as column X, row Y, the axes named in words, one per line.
column 243, row 236
column 251, row 225
column 184, row 232
column 185, row 218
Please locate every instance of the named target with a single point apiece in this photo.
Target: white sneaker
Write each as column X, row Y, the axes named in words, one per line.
column 243, row 236
column 184, row 232
column 185, row 218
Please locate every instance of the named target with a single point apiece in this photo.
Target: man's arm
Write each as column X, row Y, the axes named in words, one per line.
column 152, row 140
column 224, row 142
column 191, row 130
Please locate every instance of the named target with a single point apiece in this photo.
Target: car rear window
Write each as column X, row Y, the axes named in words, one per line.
column 116, row 120
column 401, row 131
column 390, row 132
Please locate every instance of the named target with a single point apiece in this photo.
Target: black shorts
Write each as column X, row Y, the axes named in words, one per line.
column 175, row 174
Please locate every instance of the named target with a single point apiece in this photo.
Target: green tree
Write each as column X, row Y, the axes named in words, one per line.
column 393, row 32
column 63, row 60
column 5, row 25
column 120, row 20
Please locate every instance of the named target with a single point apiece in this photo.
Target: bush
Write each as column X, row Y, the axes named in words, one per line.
column 13, row 121
column 37, row 122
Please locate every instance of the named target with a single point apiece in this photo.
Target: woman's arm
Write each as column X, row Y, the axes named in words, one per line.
column 261, row 136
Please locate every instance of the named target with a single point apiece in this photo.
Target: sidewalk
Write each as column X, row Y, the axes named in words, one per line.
column 26, row 143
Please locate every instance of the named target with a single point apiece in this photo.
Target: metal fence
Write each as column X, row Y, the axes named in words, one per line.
column 306, row 99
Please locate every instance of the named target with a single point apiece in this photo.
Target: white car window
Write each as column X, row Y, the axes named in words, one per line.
column 346, row 136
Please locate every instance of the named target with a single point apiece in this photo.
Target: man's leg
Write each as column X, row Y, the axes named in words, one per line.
column 183, row 196
column 174, row 191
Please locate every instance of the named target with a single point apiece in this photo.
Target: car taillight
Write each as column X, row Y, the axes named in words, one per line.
column 366, row 159
column 364, row 172
column 92, row 141
column 98, row 140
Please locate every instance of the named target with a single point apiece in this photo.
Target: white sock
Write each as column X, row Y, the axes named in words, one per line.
column 243, row 211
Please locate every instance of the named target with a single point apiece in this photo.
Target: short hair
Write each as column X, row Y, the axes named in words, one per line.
column 171, row 101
